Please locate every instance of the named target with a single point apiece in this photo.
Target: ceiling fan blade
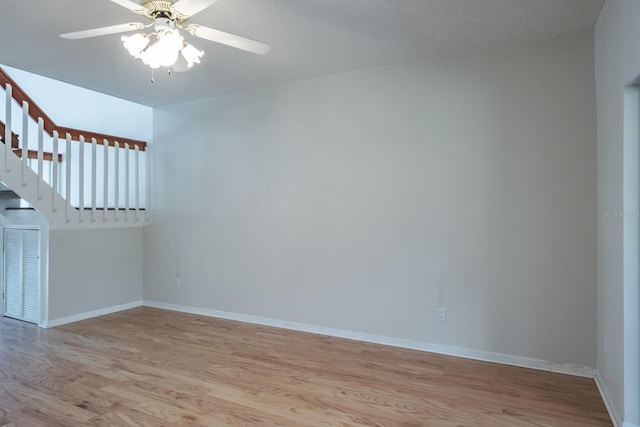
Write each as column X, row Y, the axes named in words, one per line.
column 135, row 7
column 228, row 39
column 189, row 7
column 103, row 31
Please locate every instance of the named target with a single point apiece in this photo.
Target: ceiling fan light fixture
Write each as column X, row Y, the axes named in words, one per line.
column 191, row 54
column 164, row 46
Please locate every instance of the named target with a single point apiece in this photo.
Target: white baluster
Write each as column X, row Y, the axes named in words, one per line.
column 105, row 180
column 147, row 165
column 137, row 171
column 94, row 144
column 126, row 181
column 67, row 191
column 40, row 156
column 25, row 141
column 81, row 178
column 116, row 187
column 7, row 127
column 54, row 165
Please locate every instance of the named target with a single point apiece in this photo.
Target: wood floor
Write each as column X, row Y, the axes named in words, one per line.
column 150, row 367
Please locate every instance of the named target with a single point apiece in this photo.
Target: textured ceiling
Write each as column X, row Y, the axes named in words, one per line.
column 308, row 38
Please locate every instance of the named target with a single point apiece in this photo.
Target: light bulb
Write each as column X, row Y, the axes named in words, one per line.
column 191, row 54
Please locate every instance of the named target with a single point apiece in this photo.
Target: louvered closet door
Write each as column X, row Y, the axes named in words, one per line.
column 21, row 274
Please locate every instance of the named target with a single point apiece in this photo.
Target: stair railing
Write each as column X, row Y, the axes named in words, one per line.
column 63, row 167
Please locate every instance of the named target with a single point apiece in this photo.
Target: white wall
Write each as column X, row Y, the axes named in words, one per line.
column 93, row 269
column 617, row 60
column 362, row 201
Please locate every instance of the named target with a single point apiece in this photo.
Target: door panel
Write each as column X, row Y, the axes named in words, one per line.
column 22, row 274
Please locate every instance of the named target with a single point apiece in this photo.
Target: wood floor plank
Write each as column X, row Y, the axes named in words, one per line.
column 151, row 367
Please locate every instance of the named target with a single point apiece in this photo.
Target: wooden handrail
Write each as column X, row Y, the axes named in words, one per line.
column 33, row 155
column 19, row 95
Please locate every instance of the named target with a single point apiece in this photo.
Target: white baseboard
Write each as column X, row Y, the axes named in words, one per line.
column 507, row 359
column 88, row 315
column 608, row 402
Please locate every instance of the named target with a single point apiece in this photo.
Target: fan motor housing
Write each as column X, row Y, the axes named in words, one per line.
column 163, row 9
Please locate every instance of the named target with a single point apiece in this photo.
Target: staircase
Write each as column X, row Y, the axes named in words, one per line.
column 76, row 179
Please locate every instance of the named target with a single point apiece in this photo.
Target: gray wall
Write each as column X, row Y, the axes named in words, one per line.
column 93, row 269
column 363, row 201
column 617, row 54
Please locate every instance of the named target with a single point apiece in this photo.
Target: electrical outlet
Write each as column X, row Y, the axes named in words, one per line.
column 442, row 314
column 178, row 283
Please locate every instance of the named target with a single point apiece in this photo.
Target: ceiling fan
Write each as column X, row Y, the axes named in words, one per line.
column 165, row 46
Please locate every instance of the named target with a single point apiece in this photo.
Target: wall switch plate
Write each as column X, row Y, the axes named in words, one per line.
column 442, row 314
column 178, row 283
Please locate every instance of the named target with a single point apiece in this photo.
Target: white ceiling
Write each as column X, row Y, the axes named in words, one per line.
column 308, row 38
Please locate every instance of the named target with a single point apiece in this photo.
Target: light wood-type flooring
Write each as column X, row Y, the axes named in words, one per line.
column 151, row 367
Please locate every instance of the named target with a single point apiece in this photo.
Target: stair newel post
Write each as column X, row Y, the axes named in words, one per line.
column 67, row 190
column 40, row 156
column 126, row 181
column 81, row 179
column 55, row 165
column 137, row 183
column 7, row 127
column 94, row 145
column 25, row 141
column 116, row 188
column 105, row 180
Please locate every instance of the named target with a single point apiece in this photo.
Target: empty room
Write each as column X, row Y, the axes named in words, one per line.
column 305, row 213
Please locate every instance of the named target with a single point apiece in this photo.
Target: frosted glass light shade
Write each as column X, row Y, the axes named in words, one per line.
column 158, row 55
column 135, row 44
column 191, row 55
column 171, row 40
